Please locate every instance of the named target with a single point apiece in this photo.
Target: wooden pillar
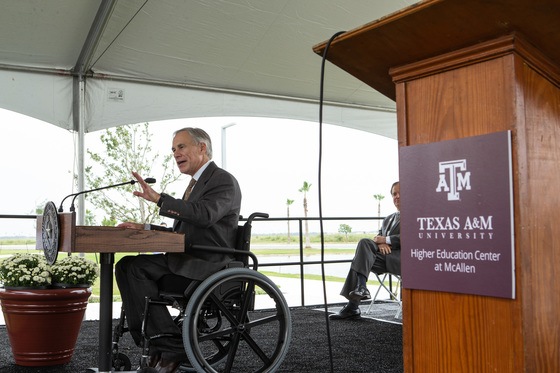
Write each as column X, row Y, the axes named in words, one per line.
column 459, row 69
column 502, row 84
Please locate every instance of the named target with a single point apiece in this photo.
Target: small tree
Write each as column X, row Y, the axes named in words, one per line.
column 127, row 149
column 378, row 197
column 288, row 203
column 90, row 218
column 39, row 210
column 304, row 189
column 345, row 229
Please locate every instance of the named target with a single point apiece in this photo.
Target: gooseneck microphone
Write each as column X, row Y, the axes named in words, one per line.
column 148, row 180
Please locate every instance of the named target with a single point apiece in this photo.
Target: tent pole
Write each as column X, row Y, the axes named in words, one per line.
column 224, row 144
column 81, row 152
column 78, row 118
column 81, row 68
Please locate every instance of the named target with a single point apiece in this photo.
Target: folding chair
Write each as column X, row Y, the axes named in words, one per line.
column 392, row 287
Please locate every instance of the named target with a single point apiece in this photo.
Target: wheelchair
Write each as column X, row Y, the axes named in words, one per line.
column 236, row 320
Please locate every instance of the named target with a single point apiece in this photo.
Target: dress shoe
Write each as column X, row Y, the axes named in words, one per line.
column 167, row 366
column 347, row 312
column 153, row 359
column 360, row 293
column 146, row 370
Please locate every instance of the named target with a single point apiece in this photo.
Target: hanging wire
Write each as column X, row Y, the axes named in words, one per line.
column 325, row 51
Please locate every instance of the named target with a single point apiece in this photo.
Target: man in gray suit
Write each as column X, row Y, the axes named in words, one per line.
column 208, row 214
column 380, row 255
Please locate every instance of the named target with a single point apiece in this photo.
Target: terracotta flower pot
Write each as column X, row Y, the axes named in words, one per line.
column 43, row 325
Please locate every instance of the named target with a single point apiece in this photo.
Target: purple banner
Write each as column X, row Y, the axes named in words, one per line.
column 457, row 216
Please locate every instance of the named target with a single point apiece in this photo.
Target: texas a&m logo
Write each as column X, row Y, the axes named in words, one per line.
column 453, row 177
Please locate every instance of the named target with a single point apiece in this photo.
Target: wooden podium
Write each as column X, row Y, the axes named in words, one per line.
column 98, row 239
column 461, row 68
column 107, row 241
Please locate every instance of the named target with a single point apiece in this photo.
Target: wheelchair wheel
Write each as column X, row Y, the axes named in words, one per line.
column 121, row 363
column 222, row 333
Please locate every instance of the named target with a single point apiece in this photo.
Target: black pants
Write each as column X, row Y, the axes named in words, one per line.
column 367, row 259
column 137, row 278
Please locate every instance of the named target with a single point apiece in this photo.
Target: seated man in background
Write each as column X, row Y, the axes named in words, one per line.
column 208, row 214
column 380, row 255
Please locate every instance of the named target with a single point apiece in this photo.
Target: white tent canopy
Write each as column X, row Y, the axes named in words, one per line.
column 87, row 65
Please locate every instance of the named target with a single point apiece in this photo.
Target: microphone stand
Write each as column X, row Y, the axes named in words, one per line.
column 149, row 180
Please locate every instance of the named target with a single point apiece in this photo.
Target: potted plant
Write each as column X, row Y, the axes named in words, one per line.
column 25, row 271
column 74, row 271
column 43, row 321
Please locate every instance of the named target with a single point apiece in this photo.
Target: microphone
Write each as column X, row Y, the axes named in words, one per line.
column 148, row 180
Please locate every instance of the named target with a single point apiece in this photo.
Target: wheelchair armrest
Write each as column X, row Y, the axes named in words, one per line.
column 242, row 241
column 226, row 250
column 262, row 215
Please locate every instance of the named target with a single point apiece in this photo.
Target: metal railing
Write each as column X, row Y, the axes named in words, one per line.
column 301, row 263
column 18, row 216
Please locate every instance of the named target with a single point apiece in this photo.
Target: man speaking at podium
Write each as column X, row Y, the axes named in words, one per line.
column 208, row 214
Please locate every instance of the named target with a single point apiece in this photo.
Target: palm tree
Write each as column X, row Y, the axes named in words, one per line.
column 378, row 197
column 288, row 203
column 304, row 189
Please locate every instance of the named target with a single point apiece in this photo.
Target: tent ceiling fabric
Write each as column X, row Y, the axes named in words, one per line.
column 167, row 59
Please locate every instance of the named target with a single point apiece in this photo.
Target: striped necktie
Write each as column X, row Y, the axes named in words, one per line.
column 189, row 189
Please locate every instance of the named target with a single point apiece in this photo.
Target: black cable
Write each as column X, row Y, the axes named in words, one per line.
column 320, row 194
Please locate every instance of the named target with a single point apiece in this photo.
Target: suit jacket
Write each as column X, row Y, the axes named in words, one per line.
column 209, row 217
column 391, row 227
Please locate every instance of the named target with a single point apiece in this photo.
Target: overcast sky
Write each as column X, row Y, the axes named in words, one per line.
column 271, row 158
